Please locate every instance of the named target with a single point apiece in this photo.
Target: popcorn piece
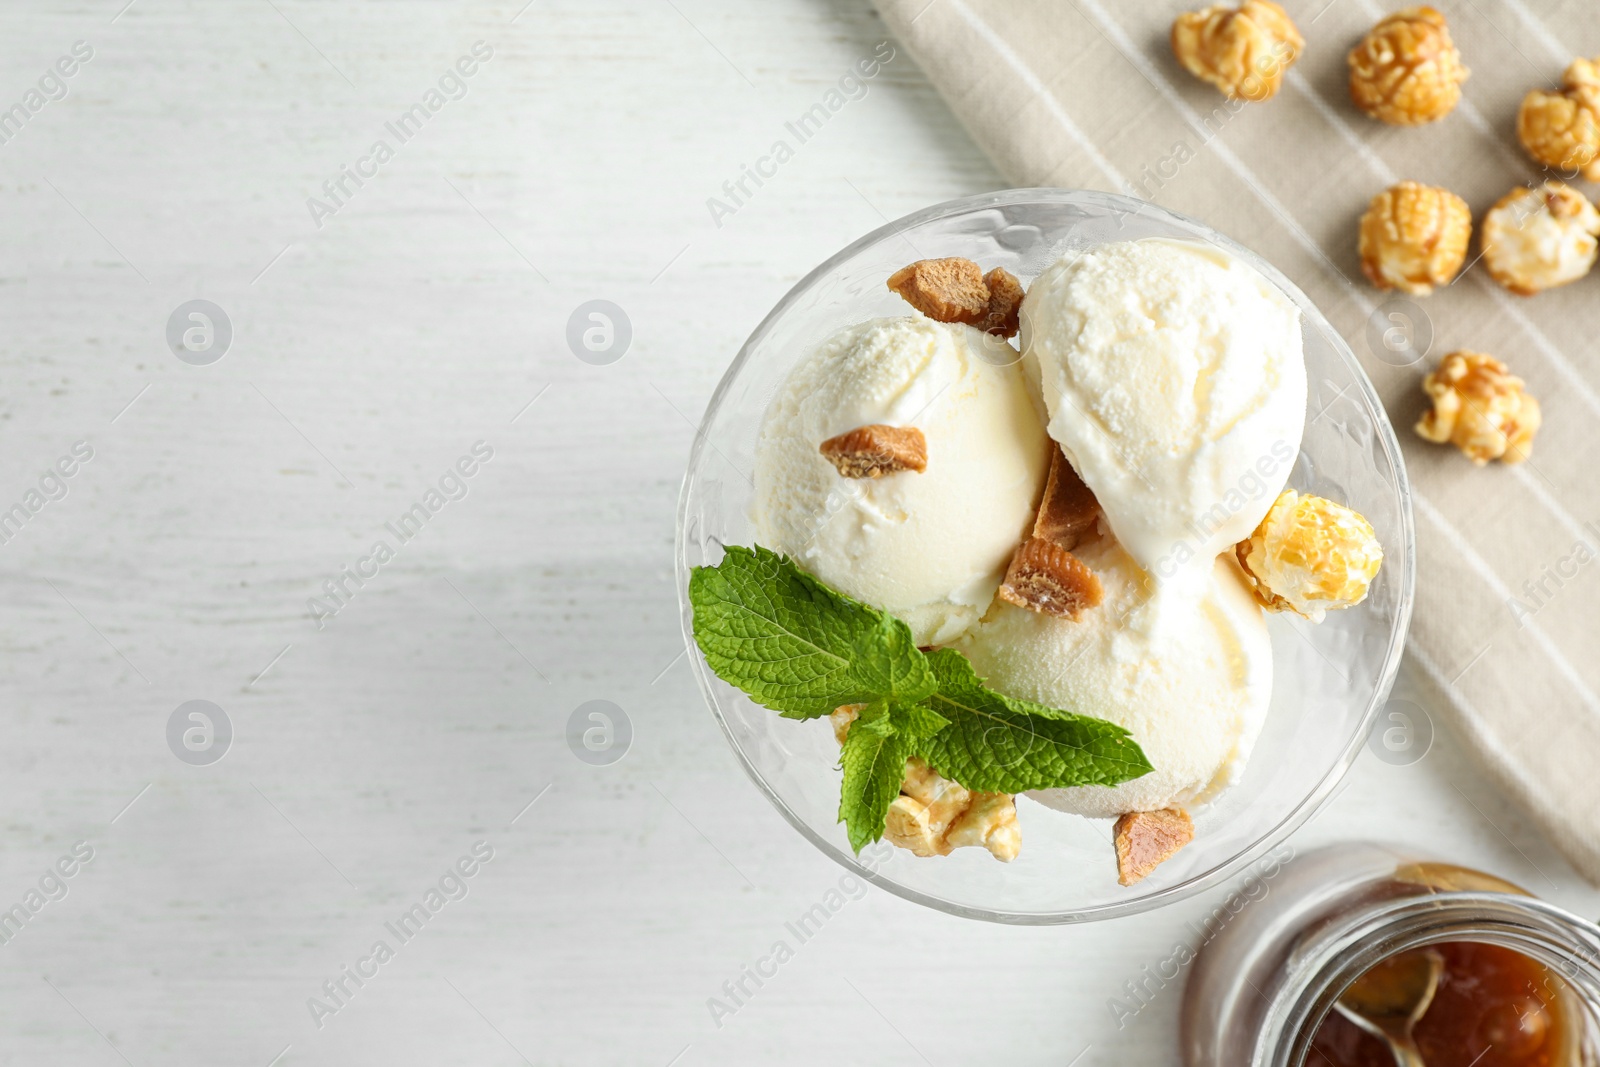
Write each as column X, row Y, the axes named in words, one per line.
column 1243, row 51
column 1480, row 407
column 990, row 821
column 1414, row 237
column 1562, row 129
column 957, row 290
column 841, row 717
column 876, row 450
column 1147, row 839
column 1406, row 70
column 1046, row 578
column 934, row 816
column 1310, row 555
column 924, row 811
column 1540, row 237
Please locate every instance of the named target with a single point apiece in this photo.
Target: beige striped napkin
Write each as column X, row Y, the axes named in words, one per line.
column 1085, row 93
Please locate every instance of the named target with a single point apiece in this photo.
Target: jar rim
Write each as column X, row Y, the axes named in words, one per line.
column 1335, row 955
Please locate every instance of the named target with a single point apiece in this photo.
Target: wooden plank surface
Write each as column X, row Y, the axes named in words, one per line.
column 369, row 354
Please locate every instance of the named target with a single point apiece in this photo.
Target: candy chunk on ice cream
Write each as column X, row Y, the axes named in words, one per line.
column 1194, row 696
column 1175, row 382
column 930, row 546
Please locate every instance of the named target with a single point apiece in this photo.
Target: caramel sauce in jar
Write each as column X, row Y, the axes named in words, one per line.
column 1518, row 979
column 1494, row 1007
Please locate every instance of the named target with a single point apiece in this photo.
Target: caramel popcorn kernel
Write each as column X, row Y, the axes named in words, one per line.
column 1480, row 407
column 990, row 821
column 1310, row 555
column 925, row 809
column 1414, row 237
column 934, row 816
column 1147, row 839
column 909, row 825
column 1541, row 237
column 841, row 717
column 1562, row 129
column 1406, row 70
column 876, row 450
column 1046, row 578
column 1243, row 51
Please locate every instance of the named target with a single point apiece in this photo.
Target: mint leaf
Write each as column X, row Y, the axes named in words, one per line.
column 796, row 646
column 800, row 648
column 874, row 761
column 916, row 721
column 999, row 744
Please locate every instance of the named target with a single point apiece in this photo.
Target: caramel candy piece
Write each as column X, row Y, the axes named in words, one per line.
column 1069, row 509
column 1147, row 839
column 1045, row 577
column 1003, row 316
column 957, row 290
column 945, row 290
column 876, row 450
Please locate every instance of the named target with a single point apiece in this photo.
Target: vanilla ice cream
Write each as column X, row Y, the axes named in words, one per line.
column 1175, row 382
column 1194, row 696
column 932, row 546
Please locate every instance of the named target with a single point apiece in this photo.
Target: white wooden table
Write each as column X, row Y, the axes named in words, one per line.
column 368, row 354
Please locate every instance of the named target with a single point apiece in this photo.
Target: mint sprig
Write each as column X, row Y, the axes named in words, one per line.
column 874, row 762
column 796, row 646
column 999, row 744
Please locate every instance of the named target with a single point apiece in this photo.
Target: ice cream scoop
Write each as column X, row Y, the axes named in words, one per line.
column 929, row 546
column 1193, row 691
column 1175, row 382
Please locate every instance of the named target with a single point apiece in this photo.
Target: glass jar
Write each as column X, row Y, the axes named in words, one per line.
column 1263, row 984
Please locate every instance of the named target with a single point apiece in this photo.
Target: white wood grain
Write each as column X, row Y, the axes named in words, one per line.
column 369, row 354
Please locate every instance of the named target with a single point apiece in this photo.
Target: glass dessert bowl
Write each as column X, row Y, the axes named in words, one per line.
column 1330, row 679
